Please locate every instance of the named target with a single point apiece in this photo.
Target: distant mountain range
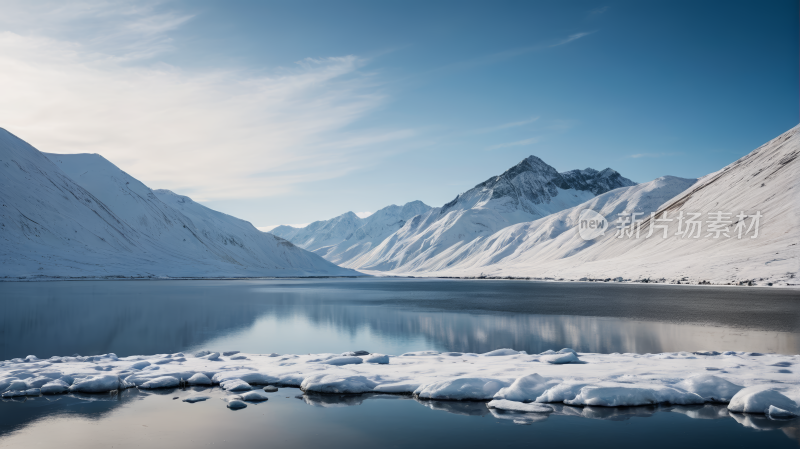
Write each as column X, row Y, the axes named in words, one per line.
column 524, row 223
column 79, row 216
column 528, row 191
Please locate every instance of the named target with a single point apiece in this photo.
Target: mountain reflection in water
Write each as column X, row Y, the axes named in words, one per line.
column 389, row 316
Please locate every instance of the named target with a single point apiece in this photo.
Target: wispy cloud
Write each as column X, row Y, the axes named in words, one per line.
column 570, row 38
column 217, row 134
column 509, row 54
column 598, row 11
column 641, row 155
column 508, row 125
column 518, row 143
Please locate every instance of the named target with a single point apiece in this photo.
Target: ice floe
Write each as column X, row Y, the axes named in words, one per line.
column 514, row 381
column 236, row 404
column 759, row 399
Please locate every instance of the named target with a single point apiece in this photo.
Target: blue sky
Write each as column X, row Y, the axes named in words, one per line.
column 289, row 112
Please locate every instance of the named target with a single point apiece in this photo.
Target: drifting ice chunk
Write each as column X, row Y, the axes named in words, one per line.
column 377, row 358
column 235, row 385
column 199, row 379
column 775, row 412
column 332, row 383
column 464, row 388
column 624, row 396
column 759, row 399
column 212, row 356
column 560, row 359
column 710, row 388
column 339, row 361
column 196, row 398
column 57, row 386
column 503, row 404
column 270, row 388
column 253, row 396
column 566, row 350
column 161, row 382
column 96, row 384
column 236, row 405
column 526, row 388
column 239, row 357
column 229, row 353
column 499, row 352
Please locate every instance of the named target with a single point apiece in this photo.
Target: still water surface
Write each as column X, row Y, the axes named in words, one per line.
column 379, row 315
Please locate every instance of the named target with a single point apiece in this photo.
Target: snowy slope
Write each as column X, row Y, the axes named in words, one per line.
column 765, row 180
column 347, row 236
column 552, row 237
column 80, row 216
column 526, row 192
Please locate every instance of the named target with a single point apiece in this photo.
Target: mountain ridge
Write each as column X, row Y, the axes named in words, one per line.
column 106, row 224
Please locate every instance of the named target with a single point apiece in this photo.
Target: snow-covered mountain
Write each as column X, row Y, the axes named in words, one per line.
column 342, row 238
column 764, row 182
column 528, row 191
column 81, row 216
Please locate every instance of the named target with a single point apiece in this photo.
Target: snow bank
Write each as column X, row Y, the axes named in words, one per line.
column 377, row 358
column 759, row 399
column 465, row 388
column 526, row 388
column 625, row 396
column 710, row 388
column 560, row 359
column 199, row 379
column 161, row 382
column 96, row 384
column 333, row 383
column 514, row 381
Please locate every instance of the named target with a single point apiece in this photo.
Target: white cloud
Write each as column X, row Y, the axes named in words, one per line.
column 219, row 134
column 570, row 38
column 518, row 143
column 509, row 125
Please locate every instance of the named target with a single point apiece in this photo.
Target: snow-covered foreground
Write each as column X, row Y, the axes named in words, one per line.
column 506, row 379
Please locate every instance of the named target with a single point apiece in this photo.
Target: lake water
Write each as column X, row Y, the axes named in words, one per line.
column 391, row 316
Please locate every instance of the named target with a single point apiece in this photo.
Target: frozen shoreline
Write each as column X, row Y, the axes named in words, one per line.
column 504, row 378
column 376, row 275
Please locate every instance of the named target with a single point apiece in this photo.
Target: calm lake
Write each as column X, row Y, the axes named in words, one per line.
column 390, row 316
